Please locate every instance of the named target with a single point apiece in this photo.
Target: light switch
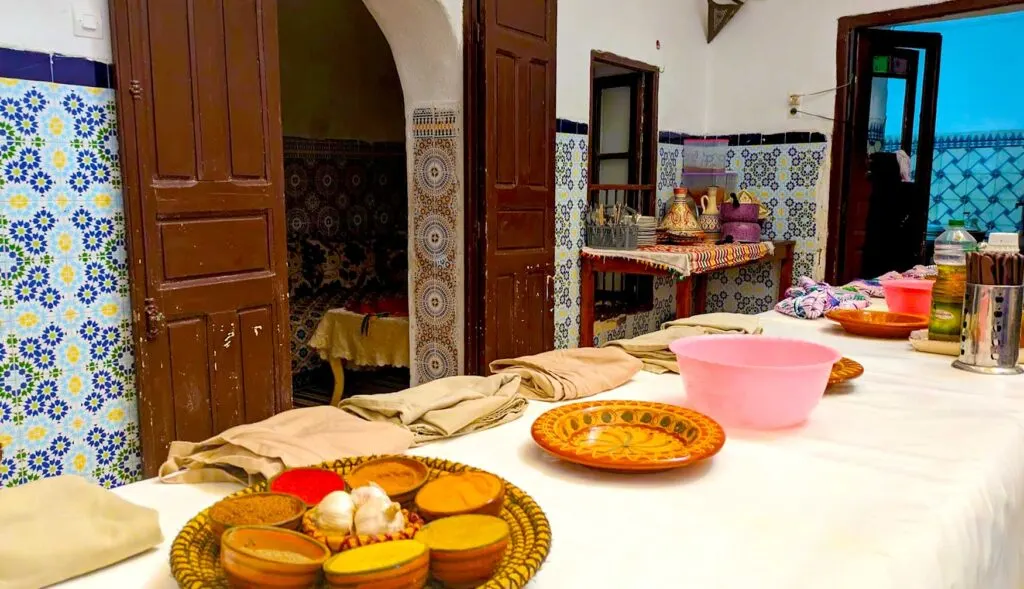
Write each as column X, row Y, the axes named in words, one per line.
column 87, row 21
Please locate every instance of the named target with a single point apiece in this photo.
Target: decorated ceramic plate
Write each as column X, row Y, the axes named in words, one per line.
column 843, row 370
column 628, row 436
column 883, row 324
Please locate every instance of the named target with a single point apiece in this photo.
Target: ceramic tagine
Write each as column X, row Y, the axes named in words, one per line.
column 680, row 221
column 709, row 219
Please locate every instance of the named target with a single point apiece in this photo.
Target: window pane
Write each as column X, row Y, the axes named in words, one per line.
column 615, row 114
column 613, row 172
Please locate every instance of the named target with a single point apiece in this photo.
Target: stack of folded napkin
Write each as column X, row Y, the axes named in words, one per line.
column 563, row 375
column 652, row 348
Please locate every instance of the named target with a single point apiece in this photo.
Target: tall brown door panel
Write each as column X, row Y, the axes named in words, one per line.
column 519, row 128
column 200, row 129
column 894, row 57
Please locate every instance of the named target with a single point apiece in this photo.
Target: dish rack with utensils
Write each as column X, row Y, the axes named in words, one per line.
column 612, row 227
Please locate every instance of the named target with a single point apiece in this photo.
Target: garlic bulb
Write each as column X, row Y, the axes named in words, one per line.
column 367, row 492
column 379, row 516
column 336, row 512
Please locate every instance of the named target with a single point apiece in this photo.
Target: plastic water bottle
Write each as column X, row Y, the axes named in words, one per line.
column 948, row 295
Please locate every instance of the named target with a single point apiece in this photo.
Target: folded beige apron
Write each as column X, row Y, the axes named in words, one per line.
column 299, row 437
column 446, row 407
column 562, row 375
column 652, row 348
column 58, row 528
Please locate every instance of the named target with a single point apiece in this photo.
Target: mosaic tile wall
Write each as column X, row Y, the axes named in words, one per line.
column 67, row 390
column 435, row 263
column 978, row 176
column 784, row 175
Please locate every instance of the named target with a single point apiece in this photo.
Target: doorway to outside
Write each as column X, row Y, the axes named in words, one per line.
column 909, row 151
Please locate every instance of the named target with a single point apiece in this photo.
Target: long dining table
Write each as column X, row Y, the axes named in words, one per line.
column 911, row 476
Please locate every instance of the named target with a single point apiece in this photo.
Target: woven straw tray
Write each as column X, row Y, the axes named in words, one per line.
column 195, row 553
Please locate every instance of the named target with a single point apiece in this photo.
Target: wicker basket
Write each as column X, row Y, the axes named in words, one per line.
column 612, row 237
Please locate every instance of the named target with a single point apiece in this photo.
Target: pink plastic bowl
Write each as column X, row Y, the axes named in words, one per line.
column 753, row 381
column 907, row 295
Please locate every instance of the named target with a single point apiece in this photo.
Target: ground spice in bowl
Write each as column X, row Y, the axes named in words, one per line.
column 255, row 509
column 309, row 484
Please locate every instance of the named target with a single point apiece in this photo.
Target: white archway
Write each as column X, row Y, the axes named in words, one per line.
column 426, row 43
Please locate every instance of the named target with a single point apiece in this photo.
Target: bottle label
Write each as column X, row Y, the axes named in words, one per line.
column 945, row 320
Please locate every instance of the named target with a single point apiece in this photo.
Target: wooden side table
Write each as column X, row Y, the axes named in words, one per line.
column 691, row 292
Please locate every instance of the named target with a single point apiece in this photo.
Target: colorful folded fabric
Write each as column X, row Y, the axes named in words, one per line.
column 811, row 300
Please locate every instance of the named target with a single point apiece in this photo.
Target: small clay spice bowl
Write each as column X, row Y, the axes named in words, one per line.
column 400, row 476
column 261, row 556
column 392, row 565
column 263, row 509
column 310, row 484
column 465, row 550
column 471, row 491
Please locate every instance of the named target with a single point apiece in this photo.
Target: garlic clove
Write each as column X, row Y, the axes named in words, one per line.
column 335, row 513
column 365, row 493
column 379, row 516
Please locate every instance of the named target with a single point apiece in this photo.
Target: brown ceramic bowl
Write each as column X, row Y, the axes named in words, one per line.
column 290, row 523
column 465, row 550
column 262, row 556
column 461, row 493
column 881, row 324
column 402, row 564
column 400, row 476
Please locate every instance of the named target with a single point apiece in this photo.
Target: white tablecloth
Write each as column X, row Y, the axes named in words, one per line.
column 915, row 479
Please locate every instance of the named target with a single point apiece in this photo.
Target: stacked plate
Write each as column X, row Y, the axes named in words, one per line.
column 647, row 231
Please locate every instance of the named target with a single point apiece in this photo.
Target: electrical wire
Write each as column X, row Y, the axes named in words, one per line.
column 850, row 83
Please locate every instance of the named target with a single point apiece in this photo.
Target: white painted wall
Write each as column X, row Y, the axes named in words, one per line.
column 774, row 48
column 630, row 29
column 47, row 26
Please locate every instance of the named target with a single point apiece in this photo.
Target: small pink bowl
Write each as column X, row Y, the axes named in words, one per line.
column 753, row 381
column 907, row 295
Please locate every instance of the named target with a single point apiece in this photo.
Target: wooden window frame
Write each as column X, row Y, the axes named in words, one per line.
column 637, row 292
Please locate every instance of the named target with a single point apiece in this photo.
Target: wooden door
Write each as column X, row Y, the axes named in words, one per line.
column 198, row 103
column 519, row 177
column 888, row 46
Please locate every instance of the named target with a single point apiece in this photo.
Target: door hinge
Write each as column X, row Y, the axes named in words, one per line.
column 154, row 319
column 135, row 89
column 478, row 33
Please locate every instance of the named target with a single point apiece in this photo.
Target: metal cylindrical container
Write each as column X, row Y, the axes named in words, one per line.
column 990, row 339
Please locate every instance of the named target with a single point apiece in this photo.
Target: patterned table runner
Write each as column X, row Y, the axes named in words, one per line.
column 683, row 260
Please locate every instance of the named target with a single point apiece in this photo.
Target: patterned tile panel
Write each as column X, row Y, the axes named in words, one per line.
column 977, row 176
column 67, row 379
column 435, row 264
column 784, row 176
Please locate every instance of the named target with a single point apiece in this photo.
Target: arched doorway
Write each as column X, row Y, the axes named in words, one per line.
column 346, row 202
column 199, row 117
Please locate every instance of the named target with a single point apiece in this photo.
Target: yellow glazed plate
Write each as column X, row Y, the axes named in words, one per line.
column 628, row 436
column 195, row 551
column 843, row 370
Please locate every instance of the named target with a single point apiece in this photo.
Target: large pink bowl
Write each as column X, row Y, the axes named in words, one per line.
column 906, row 295
column 753, row 381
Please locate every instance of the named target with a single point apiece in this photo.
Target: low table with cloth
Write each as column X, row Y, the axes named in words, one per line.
column 688, row 264
column 912, row 480
column 343, row 337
